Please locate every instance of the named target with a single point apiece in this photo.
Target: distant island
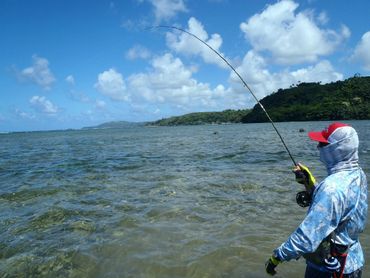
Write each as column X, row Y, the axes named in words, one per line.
column 340, row 100
column 115, row 124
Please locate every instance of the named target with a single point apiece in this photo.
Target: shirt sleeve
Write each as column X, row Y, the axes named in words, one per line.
column 322, row 218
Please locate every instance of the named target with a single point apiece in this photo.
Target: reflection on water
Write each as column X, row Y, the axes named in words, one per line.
column 202, row 201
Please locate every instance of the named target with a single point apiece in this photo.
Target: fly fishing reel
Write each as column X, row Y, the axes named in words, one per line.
column 303, row 199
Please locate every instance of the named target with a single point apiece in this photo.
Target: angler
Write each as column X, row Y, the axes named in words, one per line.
column 328, row 237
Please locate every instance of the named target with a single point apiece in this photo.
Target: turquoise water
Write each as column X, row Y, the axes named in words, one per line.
column 200, row 201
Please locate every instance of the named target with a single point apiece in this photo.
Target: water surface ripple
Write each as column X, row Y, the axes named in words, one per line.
column 200, row 201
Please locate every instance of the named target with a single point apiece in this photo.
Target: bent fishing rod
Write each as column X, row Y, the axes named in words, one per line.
column 242, row 80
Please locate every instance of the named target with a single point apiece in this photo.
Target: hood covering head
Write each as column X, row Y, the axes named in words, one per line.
column 341, row 153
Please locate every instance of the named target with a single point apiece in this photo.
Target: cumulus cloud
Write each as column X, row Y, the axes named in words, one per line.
column 112, row 84
column 323, row 18
column 38, row 73
column 167, row 9
column 163, row 10
column 70, row 79
column 24, row 115
column 254, row 69
column 138, row 52
column 322, row 72
column 291, row 37
column 186, row 44
column 100, row 104
column 41, row 104
column 362, row 51
column 170, row 83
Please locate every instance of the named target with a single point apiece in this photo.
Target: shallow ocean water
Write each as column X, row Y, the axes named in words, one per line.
column 187, row 201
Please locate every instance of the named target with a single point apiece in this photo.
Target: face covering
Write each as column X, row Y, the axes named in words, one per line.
column 342, row 151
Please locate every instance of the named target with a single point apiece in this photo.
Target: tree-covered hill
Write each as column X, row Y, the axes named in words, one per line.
column 116, row 124
column 341, row 100
column 227, row 116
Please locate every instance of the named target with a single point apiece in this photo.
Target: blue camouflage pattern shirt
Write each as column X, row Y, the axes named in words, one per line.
column 339, row 203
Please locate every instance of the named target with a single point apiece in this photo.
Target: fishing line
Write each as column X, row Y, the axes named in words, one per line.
column 244, row 83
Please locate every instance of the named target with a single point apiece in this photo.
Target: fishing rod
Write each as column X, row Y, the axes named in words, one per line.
column 244, row 83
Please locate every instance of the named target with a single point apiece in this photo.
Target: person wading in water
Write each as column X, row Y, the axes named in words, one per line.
column 328, row 237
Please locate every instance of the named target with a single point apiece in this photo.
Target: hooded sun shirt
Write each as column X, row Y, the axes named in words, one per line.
column 339, row 203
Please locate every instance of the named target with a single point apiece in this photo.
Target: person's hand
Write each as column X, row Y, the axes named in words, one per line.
column 271, row 264
column 304, row 176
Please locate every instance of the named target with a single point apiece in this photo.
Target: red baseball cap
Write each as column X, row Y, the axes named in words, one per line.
column 322, row 136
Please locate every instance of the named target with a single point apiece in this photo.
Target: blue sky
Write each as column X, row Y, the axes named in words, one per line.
column 70, row 64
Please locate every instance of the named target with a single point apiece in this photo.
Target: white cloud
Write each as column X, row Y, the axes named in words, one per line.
column 322, row 72
column 170, row 83
column 70, row 79
column 112, row 84
column 24, row 115
column 38, row 73
column 291, row 37
column 323, row 18
column 186, row 44
column 100, row 104
column 345, row 32
column 263, row 82
column 138, row 52
column 362, row 51
column 41, row 104
column 167, row 9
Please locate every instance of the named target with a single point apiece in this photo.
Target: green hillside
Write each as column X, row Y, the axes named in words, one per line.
column 227, row 116
column 341, row 100
column 116, row 124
